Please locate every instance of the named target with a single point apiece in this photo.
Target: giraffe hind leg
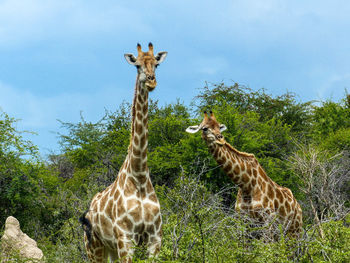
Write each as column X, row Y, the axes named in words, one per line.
column 95, row 250
column 154, row 244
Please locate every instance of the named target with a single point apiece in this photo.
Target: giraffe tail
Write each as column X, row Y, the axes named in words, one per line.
column 86, row 224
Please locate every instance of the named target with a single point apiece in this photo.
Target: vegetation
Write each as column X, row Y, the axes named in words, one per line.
column 302, row 145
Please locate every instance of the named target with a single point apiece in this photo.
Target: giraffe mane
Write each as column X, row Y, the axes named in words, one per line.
column 133, row 110
column 240, row 154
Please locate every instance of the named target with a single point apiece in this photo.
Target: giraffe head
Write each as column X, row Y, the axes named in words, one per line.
column 146, row 63
column 211, row 129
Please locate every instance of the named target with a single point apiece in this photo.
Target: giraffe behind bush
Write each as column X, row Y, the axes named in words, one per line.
column 258, row 195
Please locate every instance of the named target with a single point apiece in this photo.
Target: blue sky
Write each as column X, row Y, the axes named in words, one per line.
column 60, row 57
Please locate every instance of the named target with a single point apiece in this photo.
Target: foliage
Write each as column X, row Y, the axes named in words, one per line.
column 25, row 182
column 283, row 107
column 330, row 117
column 197, row 198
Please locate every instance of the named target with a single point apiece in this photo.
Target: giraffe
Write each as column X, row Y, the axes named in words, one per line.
column 127, row 213
column 258, row 195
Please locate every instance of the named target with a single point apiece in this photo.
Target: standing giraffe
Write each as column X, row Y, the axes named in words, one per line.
column 127, row 213
column 258, row 194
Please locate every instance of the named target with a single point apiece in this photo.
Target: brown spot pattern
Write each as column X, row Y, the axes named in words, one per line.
column 130, row 188
column 149, row 211
column 216, row 153
column 139, row 228
column 245, row 178
column 270, row 192
column 257, row 196
column 103, row 202
column 150, row 229
column 136, row 164
column 228, row 167
column 282, row 211
column 136, row 150
column 242, row 165
column 253, row 182
column 109, row 209
column 153, row 197
column 149, row 187
column 265, row 201
column 279, row 195
column 136, row 214
column 158, row 222
column 125, row 224
column 145, row 109
column 106, row 226
column 263, row 174
column 286, row 204
column 121, row 178
column 138, row 128
column 237, row 170
column 116, row 195
column 138, row 106
column 132, row 203
column 120, row 207
column 249, row 169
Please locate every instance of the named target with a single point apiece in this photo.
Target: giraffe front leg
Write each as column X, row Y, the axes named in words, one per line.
column 125, row 249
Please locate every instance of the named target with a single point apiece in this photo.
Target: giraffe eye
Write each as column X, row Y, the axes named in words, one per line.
column 205, row 129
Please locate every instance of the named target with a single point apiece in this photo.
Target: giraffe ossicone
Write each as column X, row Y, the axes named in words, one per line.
column 258, row 195
column 127, row 213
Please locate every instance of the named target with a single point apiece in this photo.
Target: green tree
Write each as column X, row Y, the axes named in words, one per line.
column 284, row 107
column 25, row 181
column 329, row 117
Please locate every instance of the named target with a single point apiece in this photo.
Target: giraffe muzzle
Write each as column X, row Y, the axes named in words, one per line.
column 151, row 84
column 220, row 140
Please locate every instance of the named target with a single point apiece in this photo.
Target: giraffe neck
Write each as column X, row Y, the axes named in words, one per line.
column 139, row 131
column 241, row 167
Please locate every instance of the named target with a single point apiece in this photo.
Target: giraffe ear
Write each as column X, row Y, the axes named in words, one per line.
column 130, row 58
column 161, row 56
column 193, row 129
column 222, row 127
